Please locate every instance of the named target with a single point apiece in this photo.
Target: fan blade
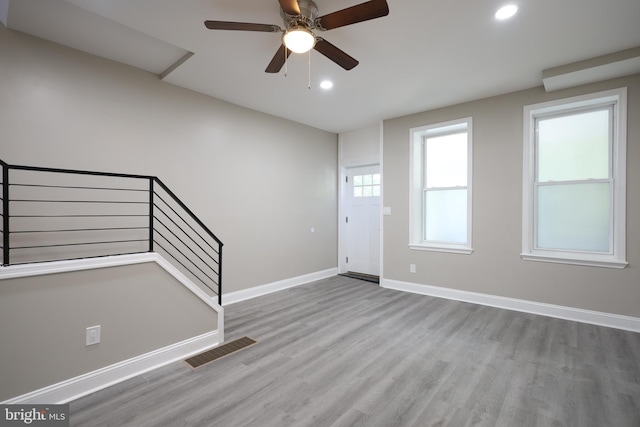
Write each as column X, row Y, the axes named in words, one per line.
column 290, row 7
column 278, row 60
column 362, row 12
column 241, row 26
column 335, row 54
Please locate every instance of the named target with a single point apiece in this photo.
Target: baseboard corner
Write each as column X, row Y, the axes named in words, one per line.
column 260, row 290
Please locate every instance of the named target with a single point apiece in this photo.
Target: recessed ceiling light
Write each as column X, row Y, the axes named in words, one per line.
column 506, row 12
column 326, row 84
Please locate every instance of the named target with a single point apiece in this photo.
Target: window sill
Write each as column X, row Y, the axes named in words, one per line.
column 585, row 261
column 453, row 250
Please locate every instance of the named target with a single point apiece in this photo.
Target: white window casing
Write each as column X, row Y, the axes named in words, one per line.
column 425, row 231
column 613, row 103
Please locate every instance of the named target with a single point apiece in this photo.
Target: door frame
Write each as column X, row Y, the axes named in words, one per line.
column 342, row 215
column 342, row 203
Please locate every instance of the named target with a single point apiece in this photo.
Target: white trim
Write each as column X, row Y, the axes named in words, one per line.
column 342, row 226
column 610, row 320
column 381, row 148
column 443, row 248
column 600, row 262
column 257, row 291
column 42, row 268
column 85, row 384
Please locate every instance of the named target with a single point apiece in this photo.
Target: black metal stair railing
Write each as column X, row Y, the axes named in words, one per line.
column 62, row 214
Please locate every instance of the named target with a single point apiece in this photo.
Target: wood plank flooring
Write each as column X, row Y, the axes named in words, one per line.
column 344, row 352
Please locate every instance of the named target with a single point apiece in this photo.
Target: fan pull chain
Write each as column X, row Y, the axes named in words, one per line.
column 309, row 64
column 285, row 61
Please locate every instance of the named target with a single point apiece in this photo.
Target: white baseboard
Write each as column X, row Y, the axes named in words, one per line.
column 568, row 313
column 268, row 288
column 85, row 384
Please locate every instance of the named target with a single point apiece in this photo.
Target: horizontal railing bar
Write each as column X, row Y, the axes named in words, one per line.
column 82, row 216
column 78, row 244
column 183, row 206
column 81, row 201
column 187, row 258
column 71, row 230
column 75, row 187
column 77, row 172
column 184, row 232
column 179, row 216
column 186, row 268
column 181, row 241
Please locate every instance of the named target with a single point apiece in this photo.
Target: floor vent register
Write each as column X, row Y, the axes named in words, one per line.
column 220, row 351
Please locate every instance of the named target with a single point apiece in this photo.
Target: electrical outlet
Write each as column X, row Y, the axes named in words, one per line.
column 412, row 268
column 93, row 335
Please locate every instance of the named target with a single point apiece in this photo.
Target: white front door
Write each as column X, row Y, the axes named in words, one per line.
column 363, row 219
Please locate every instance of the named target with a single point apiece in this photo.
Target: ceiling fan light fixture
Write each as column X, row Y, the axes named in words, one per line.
column 299, row 39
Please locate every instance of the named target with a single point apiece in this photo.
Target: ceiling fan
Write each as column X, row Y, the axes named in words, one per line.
column 300, row 17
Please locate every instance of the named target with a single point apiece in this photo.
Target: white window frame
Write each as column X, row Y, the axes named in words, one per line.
column 616, row 258
column 416, row 179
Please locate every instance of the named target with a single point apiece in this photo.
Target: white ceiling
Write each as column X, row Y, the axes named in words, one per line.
column 423, row 55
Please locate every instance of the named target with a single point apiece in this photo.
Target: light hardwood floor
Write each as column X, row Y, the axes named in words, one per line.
column 343, row 352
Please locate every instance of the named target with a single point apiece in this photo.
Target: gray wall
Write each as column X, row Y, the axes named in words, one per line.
column 495, row 266
column 43, row 319
column 259, row 182
column 360, row 147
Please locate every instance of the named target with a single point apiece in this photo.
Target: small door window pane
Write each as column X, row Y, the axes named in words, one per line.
column 366, row 185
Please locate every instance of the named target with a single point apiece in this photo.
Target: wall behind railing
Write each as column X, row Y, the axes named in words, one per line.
column 260, row 182
column 140, row 308
column 59, row 216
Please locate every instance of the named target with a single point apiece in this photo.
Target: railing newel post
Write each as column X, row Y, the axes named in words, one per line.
column 5, row 214
column 220, row 275
column 151, row 191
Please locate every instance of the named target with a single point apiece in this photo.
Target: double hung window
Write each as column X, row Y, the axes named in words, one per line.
column 574, row 180
column 440, row 211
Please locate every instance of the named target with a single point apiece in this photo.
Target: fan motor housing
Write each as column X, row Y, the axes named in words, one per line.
column 308, row 14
